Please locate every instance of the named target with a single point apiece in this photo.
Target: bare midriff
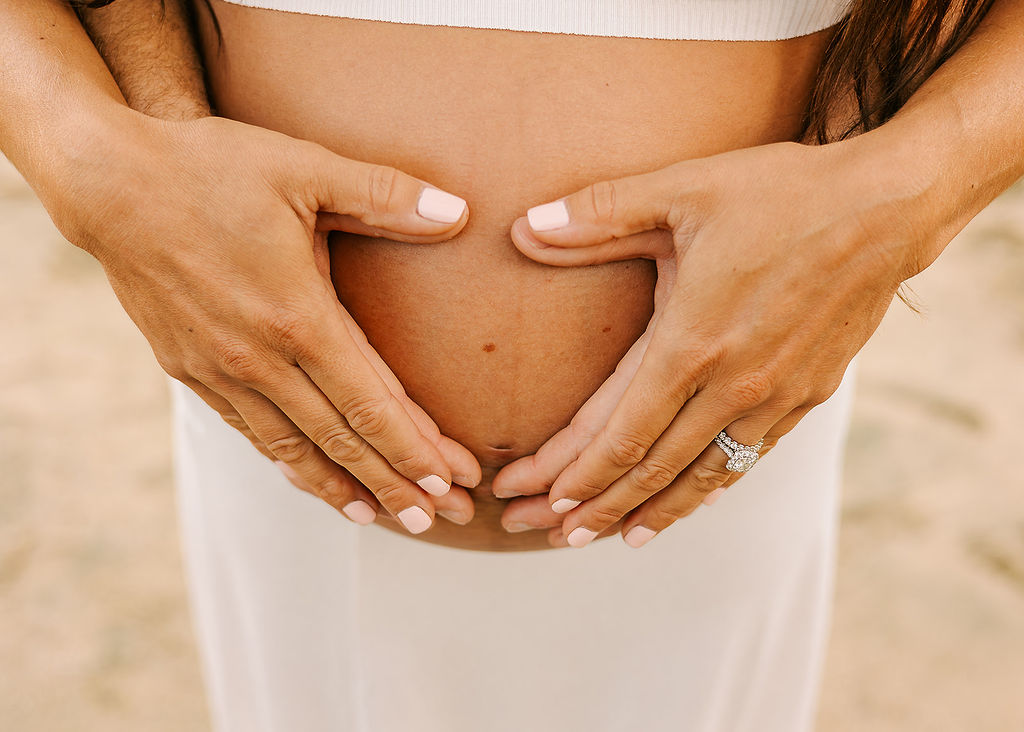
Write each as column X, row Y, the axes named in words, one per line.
column 499, row 350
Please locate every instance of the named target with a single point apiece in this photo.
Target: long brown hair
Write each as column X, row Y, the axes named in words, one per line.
column 881, row 53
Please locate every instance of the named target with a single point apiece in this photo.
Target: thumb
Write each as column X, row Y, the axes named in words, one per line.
column 610, row 220
column 377, row 200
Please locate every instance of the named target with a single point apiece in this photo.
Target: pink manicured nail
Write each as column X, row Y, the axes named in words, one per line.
column 713, row 496
column 517, row 528
column 415, row 519
column 548, row 216
column 439, row 206
column 435, row 485
column 564, row 505
column 360, row 512
column 638, row 536
column 580, row 536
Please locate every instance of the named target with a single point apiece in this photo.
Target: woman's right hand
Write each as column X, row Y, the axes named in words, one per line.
column 213, row 234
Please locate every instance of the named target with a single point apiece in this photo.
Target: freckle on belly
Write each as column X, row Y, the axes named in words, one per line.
column 489, row 347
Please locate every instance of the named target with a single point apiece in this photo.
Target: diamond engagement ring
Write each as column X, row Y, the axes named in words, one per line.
column 741, row 457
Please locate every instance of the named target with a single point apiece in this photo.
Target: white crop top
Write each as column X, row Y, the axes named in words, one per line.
column 704, row 20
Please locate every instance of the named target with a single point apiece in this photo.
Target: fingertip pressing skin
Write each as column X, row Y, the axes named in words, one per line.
column 548, row 216
column 440, row 206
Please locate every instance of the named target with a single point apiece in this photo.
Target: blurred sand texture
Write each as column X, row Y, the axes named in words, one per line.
column 929, row 623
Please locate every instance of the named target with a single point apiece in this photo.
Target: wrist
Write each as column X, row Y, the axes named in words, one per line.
column 90, row 167
column 904, row 200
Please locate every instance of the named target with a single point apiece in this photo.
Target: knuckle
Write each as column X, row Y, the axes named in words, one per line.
column 367, row 416
column 752, row 390
column 343, row 447
column 235, row 421
column 292, row 448
column 332, row 490
column 823, row 392
column 600, row 517
column 381, row 181
column 176, row 368
column 389, row 494
column 198, row 368
column 602, row 201
column 239, row 361
column 283, row 330
column 625, row 451
column 406, row 464
column 661, row 517
column 586, row 487
column 653, row 475
column 705, row 478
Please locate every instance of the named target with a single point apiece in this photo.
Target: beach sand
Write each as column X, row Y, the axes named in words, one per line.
column 929, row 623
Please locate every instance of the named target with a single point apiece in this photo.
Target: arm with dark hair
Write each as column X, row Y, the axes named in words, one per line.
column 207, row 231
column 149, row 48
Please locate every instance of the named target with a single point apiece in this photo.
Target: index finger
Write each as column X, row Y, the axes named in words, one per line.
column 652, row 400
column 338, row 368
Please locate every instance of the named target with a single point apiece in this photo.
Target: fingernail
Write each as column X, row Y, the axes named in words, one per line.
column 580, row 536
column 456, row 517
column 638, row 536
column 415, row 519
column 466, row 481
column 549, row 216
column 360, row 512
column 517, row 528
column 713, row 496
column 435, row 485
column 437, row 205
column 564, row 505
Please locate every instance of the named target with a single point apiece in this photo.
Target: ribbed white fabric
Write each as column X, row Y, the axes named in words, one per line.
column 705, row 20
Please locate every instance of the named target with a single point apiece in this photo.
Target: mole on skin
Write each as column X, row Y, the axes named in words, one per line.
column 489, row 347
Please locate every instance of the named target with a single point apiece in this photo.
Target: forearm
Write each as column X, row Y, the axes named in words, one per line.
column 55, row 91
column 150, row 50
column 63, row 120
column 959, row 141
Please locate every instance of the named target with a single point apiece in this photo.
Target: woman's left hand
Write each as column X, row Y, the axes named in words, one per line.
column 775, row 265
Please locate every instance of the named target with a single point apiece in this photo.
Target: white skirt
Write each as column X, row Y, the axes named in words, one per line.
column 309, row 623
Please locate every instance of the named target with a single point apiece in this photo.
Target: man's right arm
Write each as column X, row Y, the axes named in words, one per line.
column 149, row 47
column 237, row 310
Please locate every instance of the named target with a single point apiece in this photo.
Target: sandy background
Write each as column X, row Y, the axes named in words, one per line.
column 929, row 624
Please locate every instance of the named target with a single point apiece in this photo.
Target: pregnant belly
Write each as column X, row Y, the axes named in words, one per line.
column 499, row 350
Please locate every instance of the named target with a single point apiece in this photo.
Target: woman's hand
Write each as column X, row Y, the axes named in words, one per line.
column 775, row 265
column 209, row 233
